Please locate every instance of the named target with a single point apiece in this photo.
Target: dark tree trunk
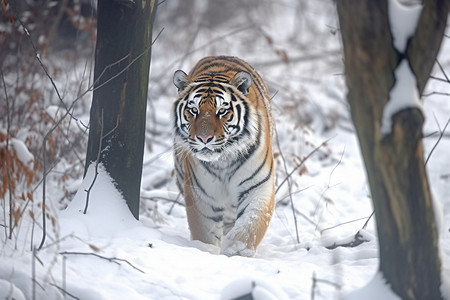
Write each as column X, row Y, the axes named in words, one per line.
column 118, row 112
column 409, row 256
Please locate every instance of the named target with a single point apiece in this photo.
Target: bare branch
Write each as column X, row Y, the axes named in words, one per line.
column 289, row 185
column 348, row 222
column 110, row 259
column 437, row 142
column 443, row 71
column 327, row 188
column 368, row 219
column 301, row 163
column 38, row 57
column 64, row 291
column 8, row 167
column 176, row 201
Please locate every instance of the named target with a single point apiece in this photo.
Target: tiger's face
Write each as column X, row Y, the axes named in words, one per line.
column 211, row 116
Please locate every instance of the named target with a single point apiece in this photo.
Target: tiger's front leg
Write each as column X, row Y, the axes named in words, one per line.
column 205, row 219
column 204, row 228
column 254, row 212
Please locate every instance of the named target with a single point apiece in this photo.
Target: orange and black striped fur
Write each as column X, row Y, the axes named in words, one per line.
column 223, row 153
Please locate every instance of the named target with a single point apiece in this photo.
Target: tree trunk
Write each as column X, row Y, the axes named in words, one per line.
column 118, row 112
column 408, row 238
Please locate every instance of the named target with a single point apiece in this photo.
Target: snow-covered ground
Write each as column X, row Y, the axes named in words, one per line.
column 107, row 254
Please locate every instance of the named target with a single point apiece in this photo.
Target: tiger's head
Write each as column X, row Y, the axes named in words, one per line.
column 212, row 117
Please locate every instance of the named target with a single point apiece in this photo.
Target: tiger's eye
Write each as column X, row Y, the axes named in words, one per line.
column 222, row 111
column 194, row 110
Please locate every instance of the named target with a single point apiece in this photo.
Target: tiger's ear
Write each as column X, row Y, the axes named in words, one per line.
column 180, row 79
column 242, row 81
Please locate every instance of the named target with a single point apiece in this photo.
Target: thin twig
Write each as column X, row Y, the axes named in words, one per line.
column 110, row 259
column 301, row 163
column 280, row 202
column 33, row 274
column 146, row 49
column 176, row 201
column 316, row 280
column 289, row 185
column 328, row 187
column 8, row 167
column 435, row 93
column 313, row 286
column 368, row 219
column 64, row 291
column 305, row 217
column 97, row 162
column 442, row 70
column 437, row 142
column 202, row 47
column 38, row 57
column 64, row 273
column 438, row 79
column 348, row 222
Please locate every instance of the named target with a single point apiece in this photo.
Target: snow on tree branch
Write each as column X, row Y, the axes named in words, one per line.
column 404, row 94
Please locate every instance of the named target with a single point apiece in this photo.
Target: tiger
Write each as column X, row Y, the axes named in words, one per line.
column 224, row 165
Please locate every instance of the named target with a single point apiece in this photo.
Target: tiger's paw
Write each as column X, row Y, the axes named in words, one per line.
column 232, row 248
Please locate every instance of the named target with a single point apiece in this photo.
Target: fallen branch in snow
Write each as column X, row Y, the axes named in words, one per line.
column 436, row 93
column 110, row 259
column 357, row 240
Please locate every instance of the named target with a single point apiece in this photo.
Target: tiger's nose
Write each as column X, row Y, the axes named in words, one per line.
column 205, row 140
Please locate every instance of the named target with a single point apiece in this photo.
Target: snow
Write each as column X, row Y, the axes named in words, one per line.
column 403, row 95
column 257, row 288
column 107, row 254
column 97, row 220
column 23, row 154
column 376, row 289
column 9, row 291
column 403, row 20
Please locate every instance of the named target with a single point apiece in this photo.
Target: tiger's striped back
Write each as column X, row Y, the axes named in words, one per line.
column 223, row 154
